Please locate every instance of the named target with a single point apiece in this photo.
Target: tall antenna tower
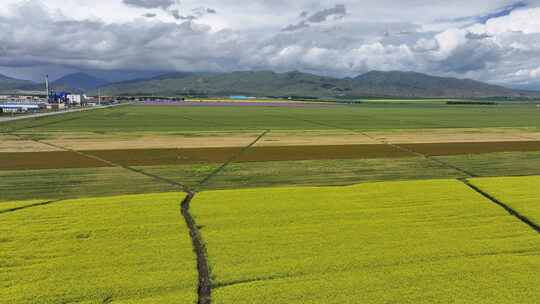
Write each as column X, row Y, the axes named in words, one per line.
column 47, row 86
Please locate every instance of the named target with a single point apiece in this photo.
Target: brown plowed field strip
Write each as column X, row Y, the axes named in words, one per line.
column 150, row 157
column 257, row 154
column 47, row 160
column 442, row 149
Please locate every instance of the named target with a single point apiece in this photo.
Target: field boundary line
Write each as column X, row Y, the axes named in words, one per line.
column 11, row 131
column 56, row 121
column 204, row 290
column 232, row 159
column 49, row 114
column 29, row 206
column 429, row 157
column 209, row 122
column 396, row 146
column 110, row 163
column 506, row 207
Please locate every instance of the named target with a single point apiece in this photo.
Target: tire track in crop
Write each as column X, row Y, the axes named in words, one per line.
column 82, row 111
column 204, row 282
column 109, row 163
column 232, row 159
column 431, row 158
column 9, row 131
column 29, row 206
column 199, row 247
column 204, row 290
column 203, row 269
column 397, row 147
column 506, row 207
column 211, row 123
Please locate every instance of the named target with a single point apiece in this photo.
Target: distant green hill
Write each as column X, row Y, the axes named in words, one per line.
column 267, row 83
column 10, row 84
column 79, row 82
column 74, row 83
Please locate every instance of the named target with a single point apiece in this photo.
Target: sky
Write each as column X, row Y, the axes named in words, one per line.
column 496, row 41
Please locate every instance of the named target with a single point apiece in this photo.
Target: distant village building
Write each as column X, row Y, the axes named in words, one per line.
column 76, row 99
column 241, row 97
column 18, row 107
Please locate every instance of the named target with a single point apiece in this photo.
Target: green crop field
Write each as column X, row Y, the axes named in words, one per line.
column 497, row 164
column 126, row 249
column 327, row 172
column 361, row 117
column 402, row 242
column 75, row 183
column 520, row 193
column 93, row 182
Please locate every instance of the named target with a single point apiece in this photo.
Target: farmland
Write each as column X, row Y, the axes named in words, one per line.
column 216, row 118
column 292, row 203
column 127, row 249
column 366, row 244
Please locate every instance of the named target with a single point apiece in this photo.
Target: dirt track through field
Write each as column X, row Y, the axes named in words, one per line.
column 398, row 147
column 205, row 285
column 108, row 163
column 210, row 123
column 506, row 207
column 435, row 160
column 43, row 124
column 29, row 206
column 204, row 278
column 204, row 282
column 203, row 268
column 232, row 159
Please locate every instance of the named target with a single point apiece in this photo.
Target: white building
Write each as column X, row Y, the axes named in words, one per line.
column 76, row 99
column 15, row 107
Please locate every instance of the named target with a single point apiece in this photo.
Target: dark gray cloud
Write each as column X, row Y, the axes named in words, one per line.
column 474, row 36
column 337, row 12
column 498, row 12
column 474, row 55
column 176, row 14
column 162, row 4
column 196, row 13
column 149, row 15
column 295, row 27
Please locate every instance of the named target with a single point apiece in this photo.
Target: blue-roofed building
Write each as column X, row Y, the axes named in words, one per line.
column 240, row 97
column 16, row 107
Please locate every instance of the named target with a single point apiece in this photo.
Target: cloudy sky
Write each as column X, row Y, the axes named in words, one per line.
column 490, row 40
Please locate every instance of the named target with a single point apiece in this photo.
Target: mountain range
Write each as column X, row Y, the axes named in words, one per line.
column 80, row 82
column 268, row 83
column 9, row 84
